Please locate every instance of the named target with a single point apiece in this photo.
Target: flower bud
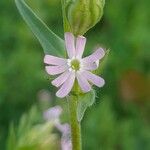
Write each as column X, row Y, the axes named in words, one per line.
column 82, row 15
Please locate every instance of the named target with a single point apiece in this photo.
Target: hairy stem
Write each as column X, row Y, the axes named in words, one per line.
column 75, row 125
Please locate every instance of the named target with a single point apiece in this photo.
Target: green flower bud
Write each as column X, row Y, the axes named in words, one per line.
column 81, row 15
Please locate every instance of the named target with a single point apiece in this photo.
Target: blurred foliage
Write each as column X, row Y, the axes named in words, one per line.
column 31, row 136
column 129, row 132
column 120, row 120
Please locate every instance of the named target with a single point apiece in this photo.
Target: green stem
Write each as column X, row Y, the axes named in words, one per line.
column 75, row 125
column 72, row 100
column 65, row 20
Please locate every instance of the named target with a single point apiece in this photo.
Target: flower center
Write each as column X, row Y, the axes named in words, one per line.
column 75, row 64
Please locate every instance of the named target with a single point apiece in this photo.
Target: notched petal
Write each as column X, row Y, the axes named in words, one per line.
column 53, row 60
column 61, row 79
column 94, row 79
column 80, row 45
column 83, row 83
column 67, row 86
column 70, row 44
column 97, row 55
column 54, row 70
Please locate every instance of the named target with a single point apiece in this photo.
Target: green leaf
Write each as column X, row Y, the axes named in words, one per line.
column 85, row 101
column 11, row 141
column 50, row 42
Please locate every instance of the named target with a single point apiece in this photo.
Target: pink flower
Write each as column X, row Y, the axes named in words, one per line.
column 75, row 67
column 53, row 115
column 66, row 136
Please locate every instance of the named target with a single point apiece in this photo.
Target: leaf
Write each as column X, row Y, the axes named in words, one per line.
column 50, row 42
column 27, row 120
column 11, row 141
column 85, row 101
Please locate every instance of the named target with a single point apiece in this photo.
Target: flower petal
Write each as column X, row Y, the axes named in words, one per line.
column 96, row 80
column 53, row 114
column 53, row 60
column 67, row 86
column 70, row 44
column 80, row 45
column 61, row 79
column 97, row 55
column 83, row 83
column 54, row 70
column 89, row 66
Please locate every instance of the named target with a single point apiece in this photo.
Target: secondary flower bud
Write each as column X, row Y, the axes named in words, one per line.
column 82, row 15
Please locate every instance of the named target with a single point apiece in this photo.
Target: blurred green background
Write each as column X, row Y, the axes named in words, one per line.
column 119, row 120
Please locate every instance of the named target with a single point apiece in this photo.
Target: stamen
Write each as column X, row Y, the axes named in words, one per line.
column 75, row 64
column 69, row 62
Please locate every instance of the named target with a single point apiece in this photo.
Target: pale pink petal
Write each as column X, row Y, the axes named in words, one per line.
column 67, row 86
column 80, row 45
column 53, row 60
column 61, row 79
column 66, row 143
column 83, row 83
column 89, row 66
column 70, row 44
column 64, row 128
column 97, row 55
column 54, row 70
column 53, row 114
column 96, row 80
